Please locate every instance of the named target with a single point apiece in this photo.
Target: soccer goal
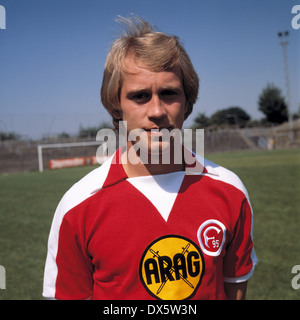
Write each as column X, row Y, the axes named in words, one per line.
column 77, row 159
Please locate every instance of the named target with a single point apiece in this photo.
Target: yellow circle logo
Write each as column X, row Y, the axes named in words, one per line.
column 171, row 268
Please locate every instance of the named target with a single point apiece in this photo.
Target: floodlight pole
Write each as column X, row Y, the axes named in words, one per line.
column 283, row 36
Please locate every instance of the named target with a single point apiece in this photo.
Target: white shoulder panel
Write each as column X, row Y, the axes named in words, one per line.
column 79, row 192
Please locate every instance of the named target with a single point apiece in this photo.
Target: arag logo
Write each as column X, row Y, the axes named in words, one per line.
column 171, row 268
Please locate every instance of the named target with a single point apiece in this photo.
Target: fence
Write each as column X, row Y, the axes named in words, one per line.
column 22, row 155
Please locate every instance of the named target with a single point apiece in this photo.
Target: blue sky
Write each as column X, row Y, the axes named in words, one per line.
column 52, row 55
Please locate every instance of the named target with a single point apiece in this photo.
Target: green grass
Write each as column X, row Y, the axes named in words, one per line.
column 272, row 178
column 27, row 204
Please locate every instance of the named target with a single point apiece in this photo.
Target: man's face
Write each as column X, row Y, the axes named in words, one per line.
column 152, row 100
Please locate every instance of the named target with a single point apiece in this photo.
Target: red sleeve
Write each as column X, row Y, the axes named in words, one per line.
column 74, row 266
column 240, row 258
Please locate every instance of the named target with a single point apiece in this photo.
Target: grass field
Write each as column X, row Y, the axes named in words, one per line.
column 28, row 201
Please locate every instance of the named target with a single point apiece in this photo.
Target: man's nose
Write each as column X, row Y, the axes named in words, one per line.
column 156, row 108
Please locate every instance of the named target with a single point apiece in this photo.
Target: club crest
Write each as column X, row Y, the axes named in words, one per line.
column 211, row 235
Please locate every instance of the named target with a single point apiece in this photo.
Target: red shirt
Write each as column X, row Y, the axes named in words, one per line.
column 170, row 236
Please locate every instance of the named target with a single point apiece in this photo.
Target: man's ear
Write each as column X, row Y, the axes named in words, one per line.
column 117, row 114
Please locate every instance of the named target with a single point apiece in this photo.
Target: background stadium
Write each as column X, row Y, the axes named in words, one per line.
column 44, row 102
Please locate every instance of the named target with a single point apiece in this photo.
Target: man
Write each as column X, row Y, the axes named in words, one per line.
column 141, row 228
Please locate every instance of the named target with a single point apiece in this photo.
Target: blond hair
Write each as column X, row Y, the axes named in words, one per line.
column 156, row 51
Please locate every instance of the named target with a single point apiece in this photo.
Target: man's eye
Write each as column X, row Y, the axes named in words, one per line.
column 140, row 97
column 168, row 93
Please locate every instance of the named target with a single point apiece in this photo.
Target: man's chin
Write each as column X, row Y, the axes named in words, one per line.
column 159, row 152
column 154, row 149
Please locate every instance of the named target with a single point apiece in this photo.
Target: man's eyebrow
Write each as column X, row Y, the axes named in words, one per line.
column 138, row 89
column 163, row 87
column 135, row 91
column 172, row 87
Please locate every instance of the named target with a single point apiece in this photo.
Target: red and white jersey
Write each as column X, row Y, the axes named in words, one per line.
column 168, row 236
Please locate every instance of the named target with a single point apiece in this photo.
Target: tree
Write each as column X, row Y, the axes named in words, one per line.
column 230, row 116
column 201, row 121
column 92, row 131
column 9, row 136
column 273, row 105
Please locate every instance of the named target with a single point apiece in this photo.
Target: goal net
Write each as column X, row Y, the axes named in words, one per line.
column 70, row 154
